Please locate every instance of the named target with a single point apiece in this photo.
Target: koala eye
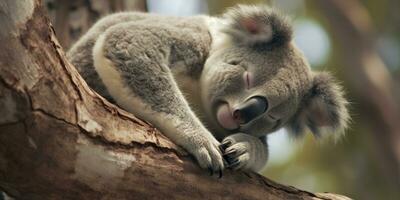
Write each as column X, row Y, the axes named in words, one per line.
column 233, row 62
column 248, row 79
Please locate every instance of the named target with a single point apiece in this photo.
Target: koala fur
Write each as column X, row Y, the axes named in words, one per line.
column 214, row 85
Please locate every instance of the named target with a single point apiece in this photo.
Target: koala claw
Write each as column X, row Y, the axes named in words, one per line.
column 225, row 145
column 230, row 152
column 234, row 164
column 209, row 157
column 211, row 171
column 243, row 152
column 236, row 156
column 220, row 173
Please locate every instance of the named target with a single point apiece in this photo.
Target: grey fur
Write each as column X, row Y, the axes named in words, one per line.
column 80, row 54
column 169, row 63
column 322, row 107
column 155, row 47
column 268, row 26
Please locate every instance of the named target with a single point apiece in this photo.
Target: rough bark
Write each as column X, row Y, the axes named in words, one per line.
column 60, row 140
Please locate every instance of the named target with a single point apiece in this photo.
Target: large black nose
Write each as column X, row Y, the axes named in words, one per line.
column 250, row 109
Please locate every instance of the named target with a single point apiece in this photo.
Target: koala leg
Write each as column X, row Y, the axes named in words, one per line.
column 245, row 152
column 146, row 88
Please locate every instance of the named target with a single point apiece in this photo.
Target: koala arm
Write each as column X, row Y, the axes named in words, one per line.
column 132, row 62
column 245, row 152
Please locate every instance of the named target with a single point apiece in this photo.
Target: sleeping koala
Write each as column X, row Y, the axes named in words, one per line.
column 214, row 85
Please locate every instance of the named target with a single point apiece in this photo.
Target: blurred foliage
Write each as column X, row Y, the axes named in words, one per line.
column 352, row 166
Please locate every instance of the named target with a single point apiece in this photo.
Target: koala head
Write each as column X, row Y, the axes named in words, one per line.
column 256, row 81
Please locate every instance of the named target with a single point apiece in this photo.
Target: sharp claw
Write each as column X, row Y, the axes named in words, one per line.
column 220, row 173
column 234, row 164
column 230, row 159
column 210, row 170
column 225, row 145
column 225, row 160
column 232, row 151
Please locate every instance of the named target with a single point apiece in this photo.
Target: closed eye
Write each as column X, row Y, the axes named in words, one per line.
column 233, row 62
column 247, row 79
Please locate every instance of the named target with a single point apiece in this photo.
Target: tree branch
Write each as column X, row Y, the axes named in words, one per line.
column 59, row 139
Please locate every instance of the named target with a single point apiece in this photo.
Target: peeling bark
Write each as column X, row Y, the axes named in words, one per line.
column 61, row 140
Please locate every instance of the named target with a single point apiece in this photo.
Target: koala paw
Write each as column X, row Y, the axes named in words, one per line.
column 244, row 152
column 208, row 155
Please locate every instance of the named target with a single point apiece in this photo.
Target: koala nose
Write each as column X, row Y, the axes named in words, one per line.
column 250, row 109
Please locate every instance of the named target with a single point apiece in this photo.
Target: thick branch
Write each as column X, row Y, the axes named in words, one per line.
column 59, row 139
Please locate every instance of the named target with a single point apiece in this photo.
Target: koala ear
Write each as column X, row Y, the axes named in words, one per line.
column 323, row 109
column 257, row 25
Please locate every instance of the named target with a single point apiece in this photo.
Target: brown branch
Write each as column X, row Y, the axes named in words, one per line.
column 60, row 140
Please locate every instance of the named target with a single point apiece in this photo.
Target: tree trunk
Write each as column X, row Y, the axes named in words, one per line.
column 60, row 140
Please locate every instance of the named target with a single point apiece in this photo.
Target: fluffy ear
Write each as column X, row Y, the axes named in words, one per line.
column 323, row 109
column 253, row 25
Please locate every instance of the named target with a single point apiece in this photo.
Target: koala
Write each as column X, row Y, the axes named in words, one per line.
column 217, row 86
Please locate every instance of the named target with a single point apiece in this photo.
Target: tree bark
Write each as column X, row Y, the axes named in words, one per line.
column 61, row 140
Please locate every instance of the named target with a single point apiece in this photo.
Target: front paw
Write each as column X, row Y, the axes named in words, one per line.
column 244, row 152
column 208, row 155
column 235, row 154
